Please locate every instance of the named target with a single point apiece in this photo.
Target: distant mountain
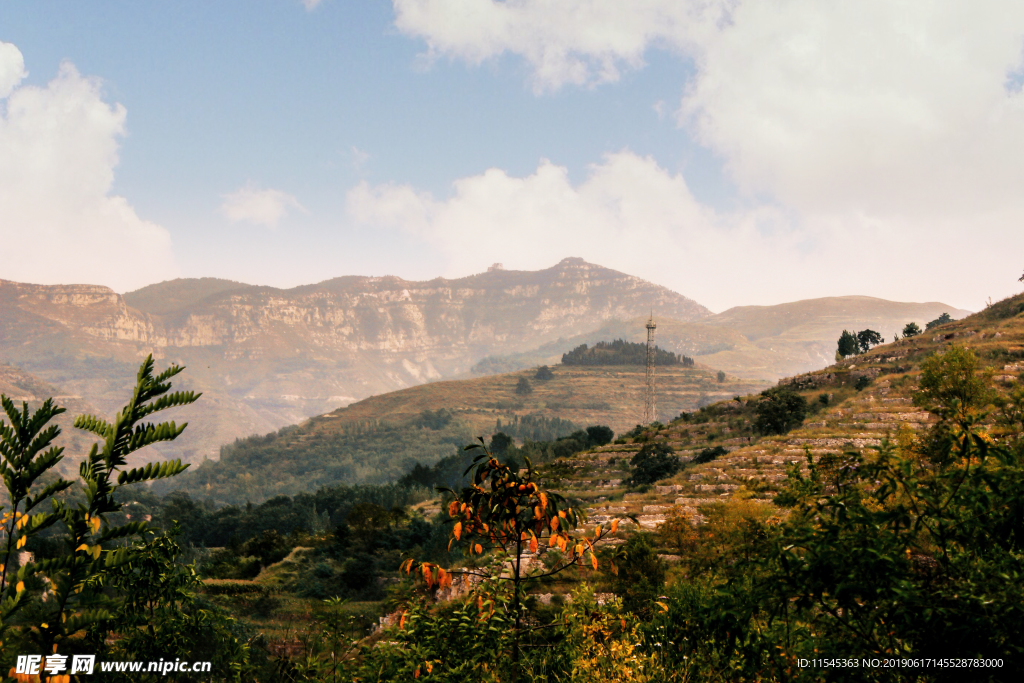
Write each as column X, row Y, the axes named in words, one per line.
column 755, row 342
column 266, row 357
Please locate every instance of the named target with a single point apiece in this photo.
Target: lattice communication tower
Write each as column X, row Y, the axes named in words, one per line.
column 650, row 410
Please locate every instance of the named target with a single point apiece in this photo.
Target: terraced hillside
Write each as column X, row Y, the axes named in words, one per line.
column 853, row 405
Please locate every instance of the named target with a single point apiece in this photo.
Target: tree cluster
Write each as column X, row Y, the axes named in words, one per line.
column 851, row 344
column 621, row 352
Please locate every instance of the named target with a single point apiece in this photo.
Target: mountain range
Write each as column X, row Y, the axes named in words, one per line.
column 265, row 357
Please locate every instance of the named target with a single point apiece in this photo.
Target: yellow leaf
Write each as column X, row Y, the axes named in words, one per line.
column 20, row 588
column 554, row 523
column 21, row 542
column 597, row 531
column 95, row 552
column 95, row 524
column 663, row 606
column 82, row 547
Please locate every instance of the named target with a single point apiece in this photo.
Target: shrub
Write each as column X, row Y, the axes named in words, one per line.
column 654, row 462
column 779, row 410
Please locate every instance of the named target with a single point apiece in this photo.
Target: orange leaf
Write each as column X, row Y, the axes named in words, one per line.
column 479, row 603
column 543, row 500
column 533, row 544
column 554, row 523
column 453, row 508
column 593, row 560
column 401, row 622
column 427, row 576
column 457, row 531
column 615, row 525
column 597, row 531
column 561, row 513
column 416, row 673
column 479, row 549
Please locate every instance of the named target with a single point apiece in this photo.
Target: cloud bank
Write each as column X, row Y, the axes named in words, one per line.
column 60, row 224
column 869, row 129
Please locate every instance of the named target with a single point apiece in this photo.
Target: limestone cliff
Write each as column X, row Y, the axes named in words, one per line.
column 268, row 357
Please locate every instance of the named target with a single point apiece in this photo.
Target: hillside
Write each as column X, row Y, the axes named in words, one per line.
column 22, row 387
column 378, row 439
column 846, row 418
column 265, row 357
column 755, row 342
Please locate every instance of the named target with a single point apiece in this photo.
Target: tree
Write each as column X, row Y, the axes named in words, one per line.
column 911, row 330
column 653, row 462
column 523, row 387
column 502, row 515
column 639, row 575
column 941, row 320
column 500, row 443
column 778, row 410
column 848, row 344
column 544, row 373
column 868, row 338
column 600, row 434
column 721, row 376
column 75, row 581
column 952, row 385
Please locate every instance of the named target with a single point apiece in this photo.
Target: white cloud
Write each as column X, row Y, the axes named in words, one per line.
column 310, row 5
column 632, row 215
column 12, row 68
column 262, row 207
column 565, row 41
column 899, row 123
column 58, row 150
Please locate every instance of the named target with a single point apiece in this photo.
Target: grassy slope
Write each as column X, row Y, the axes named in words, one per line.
column 755, row 466
column 377, row 439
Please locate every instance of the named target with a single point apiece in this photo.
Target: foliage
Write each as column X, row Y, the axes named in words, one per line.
column 73, row 581
column 868, row 338
column 503, row 514
column 535, row 427
column 720, row 376
column 638, row 575
column 162, row 618
column 778, row 410
column 653, row 462
column 600, row 434
column 523, row 387
column 602, row 642
column 848, row 344
column 911, row 330
column 435, row 419
column 621, row 352
column 544, row 373
column 709, row 454
column 951, row 384
column 941, row 320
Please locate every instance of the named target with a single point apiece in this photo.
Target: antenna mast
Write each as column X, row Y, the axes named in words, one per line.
column 650, row 411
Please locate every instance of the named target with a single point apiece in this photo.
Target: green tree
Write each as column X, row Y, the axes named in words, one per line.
column 778, row 410
column 544, row 373
column 941, row 320
column 638, row 575
column 911, row 330
column 952, row 384
column 75, row 581
column 721, row 376
column 868, row 338
column 848, row 344
column 600, row 434
column 653, row 462
column 501, row 442
column 523, row 387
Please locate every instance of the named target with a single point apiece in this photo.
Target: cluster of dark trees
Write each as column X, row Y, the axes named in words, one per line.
column 621, row 352
column 851, row 344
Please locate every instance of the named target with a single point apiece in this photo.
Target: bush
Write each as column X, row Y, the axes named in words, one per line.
column 654, row 462
column 709, row 454
column 544, row 373
column 523, row 387
column 941, row 320
column 600, row 434
column 779, row 410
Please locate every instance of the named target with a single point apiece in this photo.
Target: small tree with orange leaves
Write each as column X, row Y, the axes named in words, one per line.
column 505, row 515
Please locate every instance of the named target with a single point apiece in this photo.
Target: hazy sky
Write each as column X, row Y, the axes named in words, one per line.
column 739, row 152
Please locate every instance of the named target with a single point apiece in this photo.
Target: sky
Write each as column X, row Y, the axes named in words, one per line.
column 735, row 151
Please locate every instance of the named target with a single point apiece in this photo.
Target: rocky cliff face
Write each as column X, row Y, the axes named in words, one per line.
column 268, row 357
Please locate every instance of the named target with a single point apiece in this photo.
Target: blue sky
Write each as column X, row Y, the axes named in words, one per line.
column 737, row 153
